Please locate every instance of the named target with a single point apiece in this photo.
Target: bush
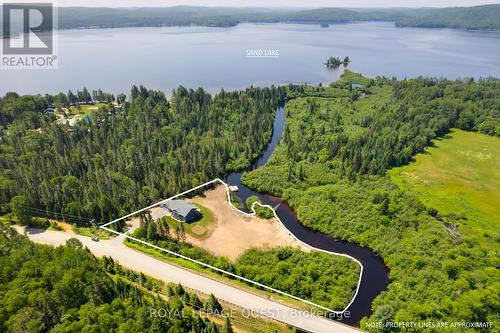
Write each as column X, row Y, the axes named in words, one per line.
column 262, row 212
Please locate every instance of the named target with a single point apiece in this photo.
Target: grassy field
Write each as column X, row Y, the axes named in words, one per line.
column 460, row 177
column 81, row 112
column 199, row 229
column 85, row 109
column 351, row 77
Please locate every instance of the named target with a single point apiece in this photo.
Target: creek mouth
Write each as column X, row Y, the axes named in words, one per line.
column 375, row 274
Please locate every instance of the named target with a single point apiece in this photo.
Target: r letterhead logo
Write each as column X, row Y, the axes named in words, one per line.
column 28, row 38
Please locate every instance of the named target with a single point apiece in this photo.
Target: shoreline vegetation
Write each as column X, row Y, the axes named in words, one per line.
column 486, row 17
column 331, row 167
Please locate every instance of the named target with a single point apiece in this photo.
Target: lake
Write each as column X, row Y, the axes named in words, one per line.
column 253, row 54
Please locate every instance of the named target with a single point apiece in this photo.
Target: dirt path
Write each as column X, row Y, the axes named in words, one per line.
column 234, row 233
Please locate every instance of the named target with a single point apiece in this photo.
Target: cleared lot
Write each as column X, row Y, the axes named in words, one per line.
column 233, row 233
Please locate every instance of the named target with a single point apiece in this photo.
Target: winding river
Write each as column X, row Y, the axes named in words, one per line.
column 375, row 274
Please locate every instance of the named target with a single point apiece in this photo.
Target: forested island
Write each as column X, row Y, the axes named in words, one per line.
column 334, row 62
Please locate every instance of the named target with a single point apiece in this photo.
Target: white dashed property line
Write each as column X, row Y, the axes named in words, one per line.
column 104, row 226
column 300, row 241
column 159, row 202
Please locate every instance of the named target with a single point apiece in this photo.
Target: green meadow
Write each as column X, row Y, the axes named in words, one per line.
column 460, row 177
column 85, row 109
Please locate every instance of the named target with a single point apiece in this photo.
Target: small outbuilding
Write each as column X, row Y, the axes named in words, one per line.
column 182, row 211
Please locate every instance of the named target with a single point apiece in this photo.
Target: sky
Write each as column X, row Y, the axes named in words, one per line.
column 272, row 3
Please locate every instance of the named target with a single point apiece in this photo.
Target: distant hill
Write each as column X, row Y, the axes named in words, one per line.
column 340, row 15
column 322, row 15
column 83, row 17
column 480, row 17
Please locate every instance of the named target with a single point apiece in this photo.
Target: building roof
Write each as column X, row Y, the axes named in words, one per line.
column 181, row 207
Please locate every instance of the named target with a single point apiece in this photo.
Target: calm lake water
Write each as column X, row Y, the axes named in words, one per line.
column 214, row 58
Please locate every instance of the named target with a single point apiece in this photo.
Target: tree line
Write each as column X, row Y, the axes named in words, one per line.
column 388, row 134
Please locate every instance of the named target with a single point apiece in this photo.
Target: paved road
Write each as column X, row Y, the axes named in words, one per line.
column 141, row 262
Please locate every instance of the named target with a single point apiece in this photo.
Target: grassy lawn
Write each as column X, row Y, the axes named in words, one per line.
column 199, row 229
column 460, row 177
column 85, row 109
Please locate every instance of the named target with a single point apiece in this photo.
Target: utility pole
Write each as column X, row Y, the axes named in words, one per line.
column 96, row 227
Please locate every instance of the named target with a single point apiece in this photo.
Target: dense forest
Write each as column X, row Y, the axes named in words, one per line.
column 67, row 289
column 149, row 148
column 129, row 156
column 316, row 276
column 474, row 18
column 479, row 17
column 331, row 167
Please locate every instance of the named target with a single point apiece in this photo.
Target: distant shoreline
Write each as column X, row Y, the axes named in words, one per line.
column 477, row 18
column 486, row 17
column 435, row 27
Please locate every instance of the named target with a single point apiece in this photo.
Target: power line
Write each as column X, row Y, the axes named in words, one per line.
column 56, row 213
column 82, row 221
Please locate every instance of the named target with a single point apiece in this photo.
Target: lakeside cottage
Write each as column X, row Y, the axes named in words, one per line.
column 181, row 210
